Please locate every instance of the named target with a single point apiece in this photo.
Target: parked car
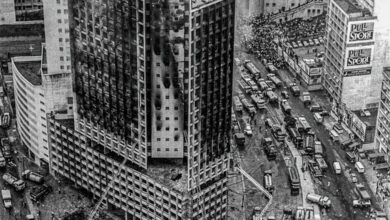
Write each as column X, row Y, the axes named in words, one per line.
column 337, row 167
column 248, row 129
column 284, row 94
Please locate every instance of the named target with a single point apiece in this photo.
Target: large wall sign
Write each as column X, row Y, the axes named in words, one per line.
column 358, row 57
column 360, row 31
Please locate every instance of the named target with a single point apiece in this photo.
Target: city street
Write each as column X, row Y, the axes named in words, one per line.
column 338, row 189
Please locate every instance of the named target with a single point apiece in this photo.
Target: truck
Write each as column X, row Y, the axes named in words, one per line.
column 315, row 170
column 7, row 199
column 237, row 103
column 253, row 86
column 248, row 106
column 6, row 148
column 306, row 98
column 275, row 80
column 32, row 176
column 322, row 201
column 304, row 213
column 295, row 89
column 269, row 148
column 247, row 128
column 39, row 193
column 278, row 133
column 271, row 68
column 271, row 85
column 262, row 84
column 268, row 181
column 365, row 198
column 271, row 96
column 258, row 101
column 244, row 86
column 294, row 181
column 295, row 136
column 321, row 162
column 308, row 144
column 245, row 76
column 252, row 68
column 5, row 119
column 2, row 160
column 286, row 108
column 18, row 184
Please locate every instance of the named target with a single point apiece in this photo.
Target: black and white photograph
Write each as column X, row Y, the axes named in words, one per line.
column 195, row 109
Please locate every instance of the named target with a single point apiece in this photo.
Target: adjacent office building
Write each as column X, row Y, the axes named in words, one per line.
column 382, row 137
column 37, row 93
column 356, row 51
column 153, row 87
column 43, row 84
column 20, row 11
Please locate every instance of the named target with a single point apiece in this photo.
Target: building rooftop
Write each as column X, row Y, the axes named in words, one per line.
column 311, row 55
column 30, row 69
column 18, row 30
column 350, row 6
column 164, row 170
column 309, row 52
column 370, row 121
column 67, row 122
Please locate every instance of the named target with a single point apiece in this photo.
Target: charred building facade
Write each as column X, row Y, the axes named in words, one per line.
column 153, row 87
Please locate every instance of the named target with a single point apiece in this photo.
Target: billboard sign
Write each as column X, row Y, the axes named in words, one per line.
column 358, row 57
column 360, row 31
column 358, row 72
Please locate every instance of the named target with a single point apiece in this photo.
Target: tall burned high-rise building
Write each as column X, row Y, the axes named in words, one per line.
column 153, row 86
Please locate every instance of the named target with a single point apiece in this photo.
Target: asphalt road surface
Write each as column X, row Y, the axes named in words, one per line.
column 337, row 187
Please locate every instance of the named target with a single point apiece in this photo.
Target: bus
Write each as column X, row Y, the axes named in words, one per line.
column 293, row 177
column 252, row 68
column 305, row 125
column 237, row 103
column 318, row 148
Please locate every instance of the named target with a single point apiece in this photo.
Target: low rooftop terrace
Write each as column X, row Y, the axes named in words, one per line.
column 29, row 67
column 351, row 7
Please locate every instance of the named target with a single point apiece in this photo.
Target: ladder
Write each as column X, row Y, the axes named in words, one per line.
column 105, row 192
column 260, row 187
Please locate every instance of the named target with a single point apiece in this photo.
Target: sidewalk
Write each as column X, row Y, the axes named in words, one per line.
column 307, row 185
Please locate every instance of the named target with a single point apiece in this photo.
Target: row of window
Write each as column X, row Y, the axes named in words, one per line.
column 167, row 149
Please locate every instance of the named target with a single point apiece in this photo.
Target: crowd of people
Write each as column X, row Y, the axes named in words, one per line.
column 264, row 31
column 299, row 29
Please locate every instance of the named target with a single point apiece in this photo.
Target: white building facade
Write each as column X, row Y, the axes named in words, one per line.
column 30, row 107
